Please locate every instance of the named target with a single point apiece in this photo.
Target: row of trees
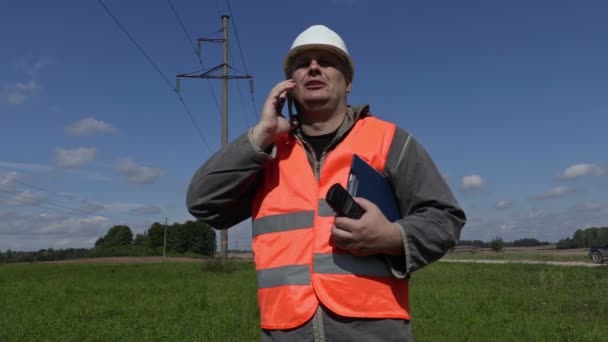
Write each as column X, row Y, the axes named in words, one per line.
column 517, row 243
column 585, row 238
column 582, row 238
column 49, row 254
column 193, row 238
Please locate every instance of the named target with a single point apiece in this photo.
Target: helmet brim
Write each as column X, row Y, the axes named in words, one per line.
column 347, row 61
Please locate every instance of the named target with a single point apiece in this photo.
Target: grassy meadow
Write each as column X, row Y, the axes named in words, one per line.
column 192, row 302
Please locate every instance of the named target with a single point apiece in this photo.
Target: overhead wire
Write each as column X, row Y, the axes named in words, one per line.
column 46, row 201
column 54, row 193
column 27, row 203
column 238, row 88
column 36, row 202
column 254, row 112
column 198, row 57
column 160, row 72
column 236, row 34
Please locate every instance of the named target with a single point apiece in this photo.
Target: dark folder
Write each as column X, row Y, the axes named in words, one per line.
column 364, row 181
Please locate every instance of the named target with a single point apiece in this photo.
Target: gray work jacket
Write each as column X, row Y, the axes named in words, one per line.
column 221, row 193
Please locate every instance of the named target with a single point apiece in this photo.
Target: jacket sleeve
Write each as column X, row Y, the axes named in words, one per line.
column 432, row 219
column 221, row 191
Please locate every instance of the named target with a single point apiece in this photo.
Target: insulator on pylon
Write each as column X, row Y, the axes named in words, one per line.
column 251, row 86
column 198, row 48
column 177, row 85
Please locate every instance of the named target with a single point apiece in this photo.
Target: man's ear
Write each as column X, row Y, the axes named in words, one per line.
column 349, row 86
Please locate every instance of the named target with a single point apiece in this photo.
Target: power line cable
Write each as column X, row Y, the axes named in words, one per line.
column 43, row 201
column 236, row 34
column 30, row 203
column 190, row 40
column 55, row 193
column 254, row 113
column 217, row 6
column 241, row 97
column 25, row 202
column 160, row 72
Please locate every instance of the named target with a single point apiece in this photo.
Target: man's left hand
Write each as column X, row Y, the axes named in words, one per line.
column 371, row 234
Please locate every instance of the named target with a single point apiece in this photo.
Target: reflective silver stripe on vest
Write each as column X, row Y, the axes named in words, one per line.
column 325, row 209
column 351, row 264
column 286, row 275
column 283, row 222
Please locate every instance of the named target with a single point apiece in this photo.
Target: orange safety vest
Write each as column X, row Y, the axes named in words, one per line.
column 296, row 266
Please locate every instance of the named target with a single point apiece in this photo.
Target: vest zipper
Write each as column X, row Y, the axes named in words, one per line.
column 316, row 165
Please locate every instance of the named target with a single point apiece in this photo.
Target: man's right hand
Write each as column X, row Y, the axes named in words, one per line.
column 272, row 124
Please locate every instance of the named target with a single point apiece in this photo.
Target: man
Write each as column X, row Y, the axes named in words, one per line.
column 321, row 277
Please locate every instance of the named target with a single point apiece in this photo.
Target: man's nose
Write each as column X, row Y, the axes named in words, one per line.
column 313, row 66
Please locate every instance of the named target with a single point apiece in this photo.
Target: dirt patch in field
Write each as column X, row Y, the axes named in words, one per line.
column 248, row 256
column 540, row 250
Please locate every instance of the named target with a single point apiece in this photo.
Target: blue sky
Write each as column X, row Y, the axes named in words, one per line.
column 509, row 98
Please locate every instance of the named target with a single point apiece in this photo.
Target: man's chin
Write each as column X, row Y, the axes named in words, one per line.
column 315, row 104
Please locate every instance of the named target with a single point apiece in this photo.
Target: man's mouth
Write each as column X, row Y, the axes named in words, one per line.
column 314, row 84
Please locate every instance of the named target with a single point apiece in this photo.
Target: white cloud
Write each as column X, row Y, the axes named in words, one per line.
column 558, row 191
column 7, row 180
column 137, row 208
column 535, row 214
column 12, row 97
column 17, row 94
column 22, row 198
column 593, row 208
column 72, row 224
column 136, row 173
column 147, row 210
column 28, row 86
column 30, row 228
column 90, row 207
column 581, row 170
column 505, row 228
column 32, row 232
column 74, row 158
column 121, row 207
column 504, row 204
column 90, row 174
column 87, row 174
column 88, row 126
column 34, row 68
column 24, row 166
column 471, row 182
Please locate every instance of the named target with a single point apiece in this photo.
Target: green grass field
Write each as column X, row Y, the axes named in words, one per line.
column 184, row 302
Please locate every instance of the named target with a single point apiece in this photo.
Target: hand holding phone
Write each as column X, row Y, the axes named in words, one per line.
column 273, row 124
column 343, row 203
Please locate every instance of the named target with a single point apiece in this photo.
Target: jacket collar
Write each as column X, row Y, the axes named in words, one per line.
column 352, row 115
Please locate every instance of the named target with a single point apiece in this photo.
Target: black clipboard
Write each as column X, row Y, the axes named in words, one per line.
column 365, row 181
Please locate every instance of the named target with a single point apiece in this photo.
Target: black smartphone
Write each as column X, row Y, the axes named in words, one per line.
column 290, row 107
column 343, row 203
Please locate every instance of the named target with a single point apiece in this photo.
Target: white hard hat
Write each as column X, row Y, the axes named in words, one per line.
column 319, row 37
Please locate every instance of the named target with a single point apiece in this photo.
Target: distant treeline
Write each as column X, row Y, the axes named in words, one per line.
column 516, row 243
column 193, row 238
column 585, row 238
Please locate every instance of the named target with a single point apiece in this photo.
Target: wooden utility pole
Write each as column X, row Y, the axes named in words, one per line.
column 165, row 238
column 224, row 232
column 225, row 76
